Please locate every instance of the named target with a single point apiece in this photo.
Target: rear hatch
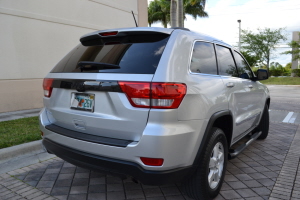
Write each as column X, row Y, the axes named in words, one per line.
column 85, row 91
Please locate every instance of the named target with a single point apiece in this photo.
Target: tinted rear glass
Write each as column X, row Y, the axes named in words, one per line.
column 133, row 58
column 226, row 63
column 243, row 68
column 204, row 59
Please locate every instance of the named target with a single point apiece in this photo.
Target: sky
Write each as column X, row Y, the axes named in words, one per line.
column 223, row 15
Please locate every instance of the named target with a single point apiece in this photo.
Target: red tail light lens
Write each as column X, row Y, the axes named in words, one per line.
column 167, row 95
column 138, row 93
column 154, row 95
column 47, row 85
column 152, row 161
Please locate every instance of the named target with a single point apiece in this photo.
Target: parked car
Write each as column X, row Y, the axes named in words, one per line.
column 158, row 105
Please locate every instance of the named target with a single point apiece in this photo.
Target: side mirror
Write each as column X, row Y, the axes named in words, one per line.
column 262, row 74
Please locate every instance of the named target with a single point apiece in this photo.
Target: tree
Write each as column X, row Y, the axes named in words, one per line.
column 288, row 66
column 262, row 44
column 195, row 8
column 160, row 11
column 295, row 45
column 173, row 8
column 277, row 69
column 180, row 14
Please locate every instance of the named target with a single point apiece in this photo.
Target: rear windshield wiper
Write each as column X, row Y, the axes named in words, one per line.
column 87, row 65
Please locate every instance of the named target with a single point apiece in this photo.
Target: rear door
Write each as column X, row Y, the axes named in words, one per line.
column 86, row 95
column 241, row 101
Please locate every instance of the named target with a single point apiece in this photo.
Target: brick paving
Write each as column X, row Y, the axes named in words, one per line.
column 283, row 105
column 287, row 184
column 268, row 169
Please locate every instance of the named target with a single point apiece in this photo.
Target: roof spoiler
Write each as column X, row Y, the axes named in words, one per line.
column 121, row 37
column 181, row 28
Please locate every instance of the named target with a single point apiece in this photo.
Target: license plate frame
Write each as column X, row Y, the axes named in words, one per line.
column 83, row 101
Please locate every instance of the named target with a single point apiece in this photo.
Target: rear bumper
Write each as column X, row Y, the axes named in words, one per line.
column 175, row 142
column 114, row 166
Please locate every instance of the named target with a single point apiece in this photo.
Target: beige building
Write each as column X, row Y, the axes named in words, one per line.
column 36, row 34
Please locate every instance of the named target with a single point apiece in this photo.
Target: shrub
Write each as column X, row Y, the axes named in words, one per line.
column 297, row 72
column 275, row 72
column 287, row 73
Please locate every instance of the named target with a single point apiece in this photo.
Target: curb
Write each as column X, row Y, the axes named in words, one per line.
column 7, row 116
column 283, row 85
column 22, row 155
column 21, row 150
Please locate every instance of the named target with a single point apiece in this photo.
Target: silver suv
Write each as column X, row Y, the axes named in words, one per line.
column 158, row 105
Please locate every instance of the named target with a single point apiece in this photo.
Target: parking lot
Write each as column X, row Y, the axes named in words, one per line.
column 268, row 169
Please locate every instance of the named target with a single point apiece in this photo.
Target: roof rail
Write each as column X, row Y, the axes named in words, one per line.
column 186, row 29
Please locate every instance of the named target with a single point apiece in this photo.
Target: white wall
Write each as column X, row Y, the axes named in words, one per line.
column 36, row 34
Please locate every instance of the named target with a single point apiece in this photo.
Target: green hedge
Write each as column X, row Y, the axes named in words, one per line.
column 296, row 71
column 279, row 72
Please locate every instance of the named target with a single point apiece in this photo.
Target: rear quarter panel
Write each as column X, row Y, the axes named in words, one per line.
column 205, row 93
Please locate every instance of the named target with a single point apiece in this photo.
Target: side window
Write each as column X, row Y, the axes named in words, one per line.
column 203, row 58
column 226, row 62
column 243, row 68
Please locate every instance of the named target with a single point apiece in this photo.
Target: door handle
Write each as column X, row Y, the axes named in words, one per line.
column 230, row 84
column 250, row 86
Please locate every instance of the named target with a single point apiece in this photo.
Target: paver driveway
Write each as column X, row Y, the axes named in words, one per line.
column 266, row 170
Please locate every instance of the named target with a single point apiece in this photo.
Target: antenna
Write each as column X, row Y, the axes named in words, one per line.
column 134, row 19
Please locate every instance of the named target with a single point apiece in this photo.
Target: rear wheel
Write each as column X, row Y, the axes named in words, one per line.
column 207, row 181
column 264, row 124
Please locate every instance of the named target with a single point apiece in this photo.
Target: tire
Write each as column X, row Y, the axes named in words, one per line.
column 202, row 185
column 264, row 124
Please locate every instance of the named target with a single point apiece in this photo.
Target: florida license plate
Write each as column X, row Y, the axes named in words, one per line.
column 83, row 101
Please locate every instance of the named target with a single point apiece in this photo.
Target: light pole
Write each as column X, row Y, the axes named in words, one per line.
column 239, row 21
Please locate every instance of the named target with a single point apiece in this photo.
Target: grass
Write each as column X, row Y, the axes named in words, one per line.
column 282, row 81
column 19, row 131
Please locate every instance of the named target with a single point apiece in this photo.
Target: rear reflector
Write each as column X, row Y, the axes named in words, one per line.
column 152, row 161
column 109, row 33
column 154, row 95
column 47, row 85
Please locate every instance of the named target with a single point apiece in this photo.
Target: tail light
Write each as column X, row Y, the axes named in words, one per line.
column 154, row 95
column 152, row 161
column 47, row 85
column 109, row 33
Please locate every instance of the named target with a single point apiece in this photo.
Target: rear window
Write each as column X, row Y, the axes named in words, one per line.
column 226, row 63
column 204, row 59
column 133, row 57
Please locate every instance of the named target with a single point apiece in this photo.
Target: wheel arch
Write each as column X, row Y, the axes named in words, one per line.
column 223, row 120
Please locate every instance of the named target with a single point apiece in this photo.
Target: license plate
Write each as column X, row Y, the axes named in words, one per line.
column 82, row 101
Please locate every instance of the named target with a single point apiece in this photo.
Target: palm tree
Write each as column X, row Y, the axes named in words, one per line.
column 180, row 13
column 173, row 8
column 195, row 8
column 159, row 10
